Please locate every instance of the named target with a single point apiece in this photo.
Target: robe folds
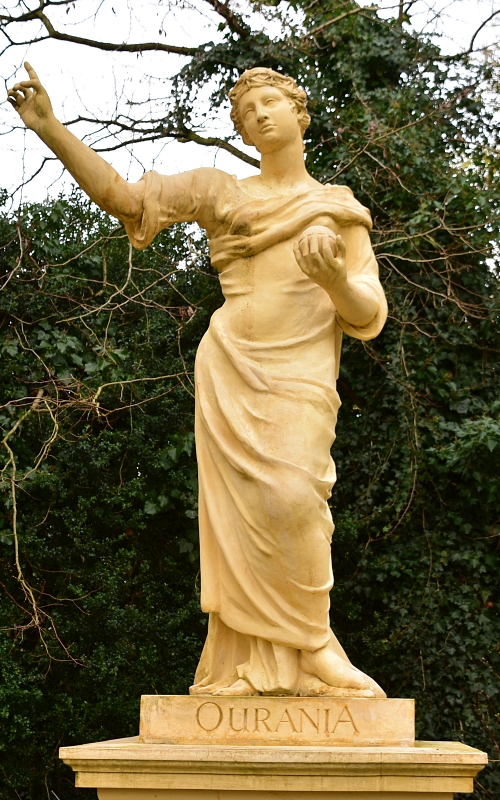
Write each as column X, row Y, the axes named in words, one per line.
column 266, row 409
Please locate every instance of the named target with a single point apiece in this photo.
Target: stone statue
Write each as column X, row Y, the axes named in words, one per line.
column 296, row 269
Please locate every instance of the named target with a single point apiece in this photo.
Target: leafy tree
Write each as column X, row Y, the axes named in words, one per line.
column 106, row 519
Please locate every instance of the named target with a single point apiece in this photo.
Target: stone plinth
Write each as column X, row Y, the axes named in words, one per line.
column 353, row 721
column 275, row 748
column 126, row 769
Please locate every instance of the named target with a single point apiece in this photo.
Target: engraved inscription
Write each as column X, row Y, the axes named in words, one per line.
column 261, row 715
column 345, row 717
column 209, row 716
column 271, row 721
column 304, row 715
column 286, row 718
column 242, row 715
column 281, row 721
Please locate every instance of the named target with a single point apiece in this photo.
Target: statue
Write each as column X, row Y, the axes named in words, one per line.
column 296, row 269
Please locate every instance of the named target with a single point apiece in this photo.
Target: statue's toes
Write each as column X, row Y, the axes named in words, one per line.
column 238, row 689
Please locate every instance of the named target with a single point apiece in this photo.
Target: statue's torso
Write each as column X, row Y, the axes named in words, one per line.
column 251, row 231
column 269, row 299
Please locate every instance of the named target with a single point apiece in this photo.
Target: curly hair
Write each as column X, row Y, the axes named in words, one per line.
column 263, row 76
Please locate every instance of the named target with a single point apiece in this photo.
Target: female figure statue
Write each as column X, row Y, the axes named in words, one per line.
column 296, row 269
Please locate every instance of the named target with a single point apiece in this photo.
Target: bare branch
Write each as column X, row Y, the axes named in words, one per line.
column 337, row 19
column 215, row 141
column 158, row 130
column 478, row 31
column 140, row 47
column 234, row 23
column 470, row 49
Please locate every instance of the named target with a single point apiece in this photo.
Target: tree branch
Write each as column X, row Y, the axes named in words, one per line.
column 483, row 24
column 214, row 141
column 140, row 47
column 470, row 49
column 337, row 19
column 234, row 23
column 161, row 131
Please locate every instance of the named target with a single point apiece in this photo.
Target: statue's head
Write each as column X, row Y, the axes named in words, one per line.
column 263, row 77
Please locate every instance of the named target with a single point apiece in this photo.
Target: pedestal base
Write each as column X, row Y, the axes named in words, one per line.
column 125, row 769
column 266, row 721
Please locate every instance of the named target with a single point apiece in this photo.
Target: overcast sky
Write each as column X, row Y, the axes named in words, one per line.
column 84, row 81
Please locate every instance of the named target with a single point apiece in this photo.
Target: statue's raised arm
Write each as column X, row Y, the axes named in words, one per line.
column 95, row 176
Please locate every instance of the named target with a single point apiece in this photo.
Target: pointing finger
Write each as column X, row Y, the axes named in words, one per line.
column 31, row 72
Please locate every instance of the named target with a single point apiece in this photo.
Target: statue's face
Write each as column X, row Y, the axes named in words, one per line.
column 269, row 118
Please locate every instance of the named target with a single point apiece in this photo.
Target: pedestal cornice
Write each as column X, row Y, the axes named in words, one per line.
column 129, row 764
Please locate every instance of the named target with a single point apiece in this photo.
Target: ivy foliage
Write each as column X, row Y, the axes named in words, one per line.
column 102, row 605
column 100, row 594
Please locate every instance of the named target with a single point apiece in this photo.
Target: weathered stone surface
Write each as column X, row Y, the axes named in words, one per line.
column 177, row 719
column 426, row 770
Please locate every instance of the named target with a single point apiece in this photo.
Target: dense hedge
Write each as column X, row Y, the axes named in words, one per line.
column 107, row 522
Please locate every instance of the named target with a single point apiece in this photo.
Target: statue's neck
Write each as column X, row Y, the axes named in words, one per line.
column 284, row 169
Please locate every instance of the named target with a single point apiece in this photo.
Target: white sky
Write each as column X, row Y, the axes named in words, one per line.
column 85, row 81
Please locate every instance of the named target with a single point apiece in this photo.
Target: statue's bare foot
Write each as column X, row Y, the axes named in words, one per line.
column 332, row 669
column 311, row 686
column 376, row 689
column 240, row 688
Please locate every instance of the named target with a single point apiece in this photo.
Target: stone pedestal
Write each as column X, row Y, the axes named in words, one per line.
column 175, row 758
column 353, row 721
column 125, row 769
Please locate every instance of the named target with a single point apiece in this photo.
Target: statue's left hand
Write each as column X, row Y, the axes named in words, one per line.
column 321, row 256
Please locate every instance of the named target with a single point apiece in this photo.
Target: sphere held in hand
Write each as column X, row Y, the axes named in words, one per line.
column 320, row 231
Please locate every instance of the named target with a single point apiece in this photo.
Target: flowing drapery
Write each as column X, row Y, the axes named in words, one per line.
column 266, row 409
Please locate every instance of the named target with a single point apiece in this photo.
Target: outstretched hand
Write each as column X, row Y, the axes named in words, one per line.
column 321, row 256
column 30, row 100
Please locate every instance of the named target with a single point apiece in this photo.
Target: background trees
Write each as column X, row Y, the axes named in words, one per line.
column 98, row 543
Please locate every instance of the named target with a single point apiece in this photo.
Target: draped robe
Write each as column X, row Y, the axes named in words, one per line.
column 266, row 408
